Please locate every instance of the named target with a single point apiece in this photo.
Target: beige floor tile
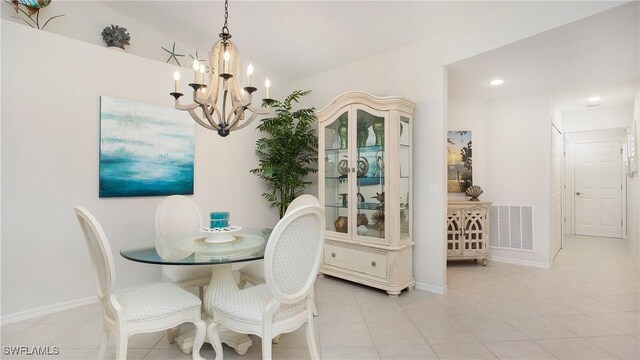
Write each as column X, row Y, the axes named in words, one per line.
column 334, row 298
column 445, row 329
column 627, row 322
column 622, row 346
column 587, row 305
column 166, row 354
column 519, row 349
column 345, row 334
column 492, row 329
column 83, row 337
column 550, row 307
column 538, row 327
column 383, row 312
column 622, row 302
column 575, row 348
column 465, row 351
column 73, row 316
column 9, row 331
column 508, row 309
column 407, row 352
column 342, row 353
column 40, row 334
column 132, row 354
column 465, row 308
column 583, row 325
column 291, row 353
column 337, row 312
column 395, row 333
column 423, row 310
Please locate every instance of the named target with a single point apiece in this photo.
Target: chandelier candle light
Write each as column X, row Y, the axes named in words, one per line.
column 224, row 62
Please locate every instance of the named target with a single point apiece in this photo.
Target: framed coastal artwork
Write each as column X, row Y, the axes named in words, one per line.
column 459, row 161
column 145, row 149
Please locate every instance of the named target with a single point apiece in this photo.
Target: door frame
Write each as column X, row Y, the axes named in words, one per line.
column 570, row 178
column 563, row 189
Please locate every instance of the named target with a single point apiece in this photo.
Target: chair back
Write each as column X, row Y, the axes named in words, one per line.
column 177, row 213
column 99, row 252
column 304, row 199
column 293, row 252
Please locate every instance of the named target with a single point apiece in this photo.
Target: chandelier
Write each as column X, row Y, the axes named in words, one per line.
column 222, row 78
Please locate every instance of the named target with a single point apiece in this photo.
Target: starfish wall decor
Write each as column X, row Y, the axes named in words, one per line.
column 172, row 54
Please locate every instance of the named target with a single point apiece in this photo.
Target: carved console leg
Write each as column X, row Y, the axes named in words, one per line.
column 394, row 294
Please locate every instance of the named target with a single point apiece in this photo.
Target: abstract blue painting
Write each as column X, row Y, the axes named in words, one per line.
column 145, row 149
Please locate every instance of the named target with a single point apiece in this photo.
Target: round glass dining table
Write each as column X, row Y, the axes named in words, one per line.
column 219, row 250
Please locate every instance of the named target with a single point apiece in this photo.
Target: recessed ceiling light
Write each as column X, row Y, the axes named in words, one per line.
column 594, row 99
column 496, row 82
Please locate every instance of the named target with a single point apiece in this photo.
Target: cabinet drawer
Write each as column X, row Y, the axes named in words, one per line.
column 367, row 262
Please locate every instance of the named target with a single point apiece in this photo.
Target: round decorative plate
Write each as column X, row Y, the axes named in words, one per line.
column 220, row 235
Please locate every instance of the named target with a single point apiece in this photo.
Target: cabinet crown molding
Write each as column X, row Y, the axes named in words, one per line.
column 375, row 102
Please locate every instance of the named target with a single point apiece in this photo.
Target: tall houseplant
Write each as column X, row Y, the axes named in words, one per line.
column 289, row 151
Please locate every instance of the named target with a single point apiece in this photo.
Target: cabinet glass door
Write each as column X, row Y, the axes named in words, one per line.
column 336, row 173
column 405, row 178
column 370, row 171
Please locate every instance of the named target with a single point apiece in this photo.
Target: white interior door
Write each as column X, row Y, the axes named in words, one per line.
column 557, row 152
column 598, row 189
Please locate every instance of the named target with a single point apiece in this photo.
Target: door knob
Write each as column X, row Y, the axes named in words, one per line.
column 578, row 193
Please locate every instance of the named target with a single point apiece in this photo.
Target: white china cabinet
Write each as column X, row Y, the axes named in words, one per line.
column 365, row 189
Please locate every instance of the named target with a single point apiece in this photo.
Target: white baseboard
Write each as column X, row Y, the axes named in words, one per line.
column 520, row 262
column 441, row 290
column 46, row 310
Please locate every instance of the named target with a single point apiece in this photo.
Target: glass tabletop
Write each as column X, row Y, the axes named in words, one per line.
column 199, row 248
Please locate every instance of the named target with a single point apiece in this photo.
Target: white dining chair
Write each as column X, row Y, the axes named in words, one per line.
column 145, row 309
column 284, row 302
column 177, row 214
column 253, row 273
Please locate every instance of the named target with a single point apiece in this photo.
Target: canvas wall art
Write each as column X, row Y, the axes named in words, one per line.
column 145, row 149
column 459, row 164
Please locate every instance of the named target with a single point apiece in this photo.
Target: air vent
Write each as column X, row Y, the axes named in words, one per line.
column 591, row 105
column 511, row 227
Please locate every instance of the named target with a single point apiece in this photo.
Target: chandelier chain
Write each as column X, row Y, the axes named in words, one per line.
column 225, row 27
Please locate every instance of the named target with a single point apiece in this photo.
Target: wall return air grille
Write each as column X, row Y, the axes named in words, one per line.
column 511, row 227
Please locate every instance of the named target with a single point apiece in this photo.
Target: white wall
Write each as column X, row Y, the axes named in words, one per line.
column 470, row 115
column 50, row 121
column 610, row 117
column 518, row 170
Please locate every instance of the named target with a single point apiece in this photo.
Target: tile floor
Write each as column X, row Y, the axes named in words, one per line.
column 586, row 307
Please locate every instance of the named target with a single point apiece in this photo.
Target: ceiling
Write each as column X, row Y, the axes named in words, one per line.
column 297, row 39
column 598, row 55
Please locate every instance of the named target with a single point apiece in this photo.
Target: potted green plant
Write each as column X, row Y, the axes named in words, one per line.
column 289, row 151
